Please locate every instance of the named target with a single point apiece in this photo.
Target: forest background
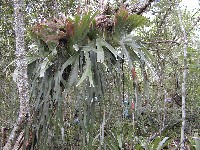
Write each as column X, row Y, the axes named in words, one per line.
column 99, row 75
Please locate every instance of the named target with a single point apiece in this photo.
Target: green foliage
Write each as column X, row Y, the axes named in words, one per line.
column 79, row 73
column 8, row 95
column 126, row 23
column 55, row 68
column 157, row 144
column 197, row 141
column 82, row 27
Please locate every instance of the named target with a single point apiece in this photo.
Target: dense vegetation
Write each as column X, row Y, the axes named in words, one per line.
column 103, row 76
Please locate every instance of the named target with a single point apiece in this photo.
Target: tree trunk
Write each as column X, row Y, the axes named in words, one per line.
column 22, row 78
column 184, row 81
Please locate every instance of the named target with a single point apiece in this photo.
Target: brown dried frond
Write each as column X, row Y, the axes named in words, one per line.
column 60, row 21
column 104, row 22
column 122, row 12
column 55, row 38
column 54, row 30
column 69, row 28
column 53, row 25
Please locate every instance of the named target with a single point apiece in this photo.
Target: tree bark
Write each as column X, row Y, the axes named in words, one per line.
column 22, row 78
column 184, row 80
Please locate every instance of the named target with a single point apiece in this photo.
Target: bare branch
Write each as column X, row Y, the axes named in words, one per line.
column 198, row 19
column 157, row 133
column 142, row 9
column 160, row 42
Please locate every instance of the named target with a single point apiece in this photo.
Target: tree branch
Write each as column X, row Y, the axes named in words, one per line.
column 160, row 42
column 143, row 8
column 188, row 32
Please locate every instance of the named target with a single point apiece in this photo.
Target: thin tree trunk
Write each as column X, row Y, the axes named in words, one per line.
column 22, row 78
column 56, row 9
column 184, row 81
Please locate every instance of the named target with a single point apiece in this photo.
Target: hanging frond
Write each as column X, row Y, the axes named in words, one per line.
column 79, row 53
